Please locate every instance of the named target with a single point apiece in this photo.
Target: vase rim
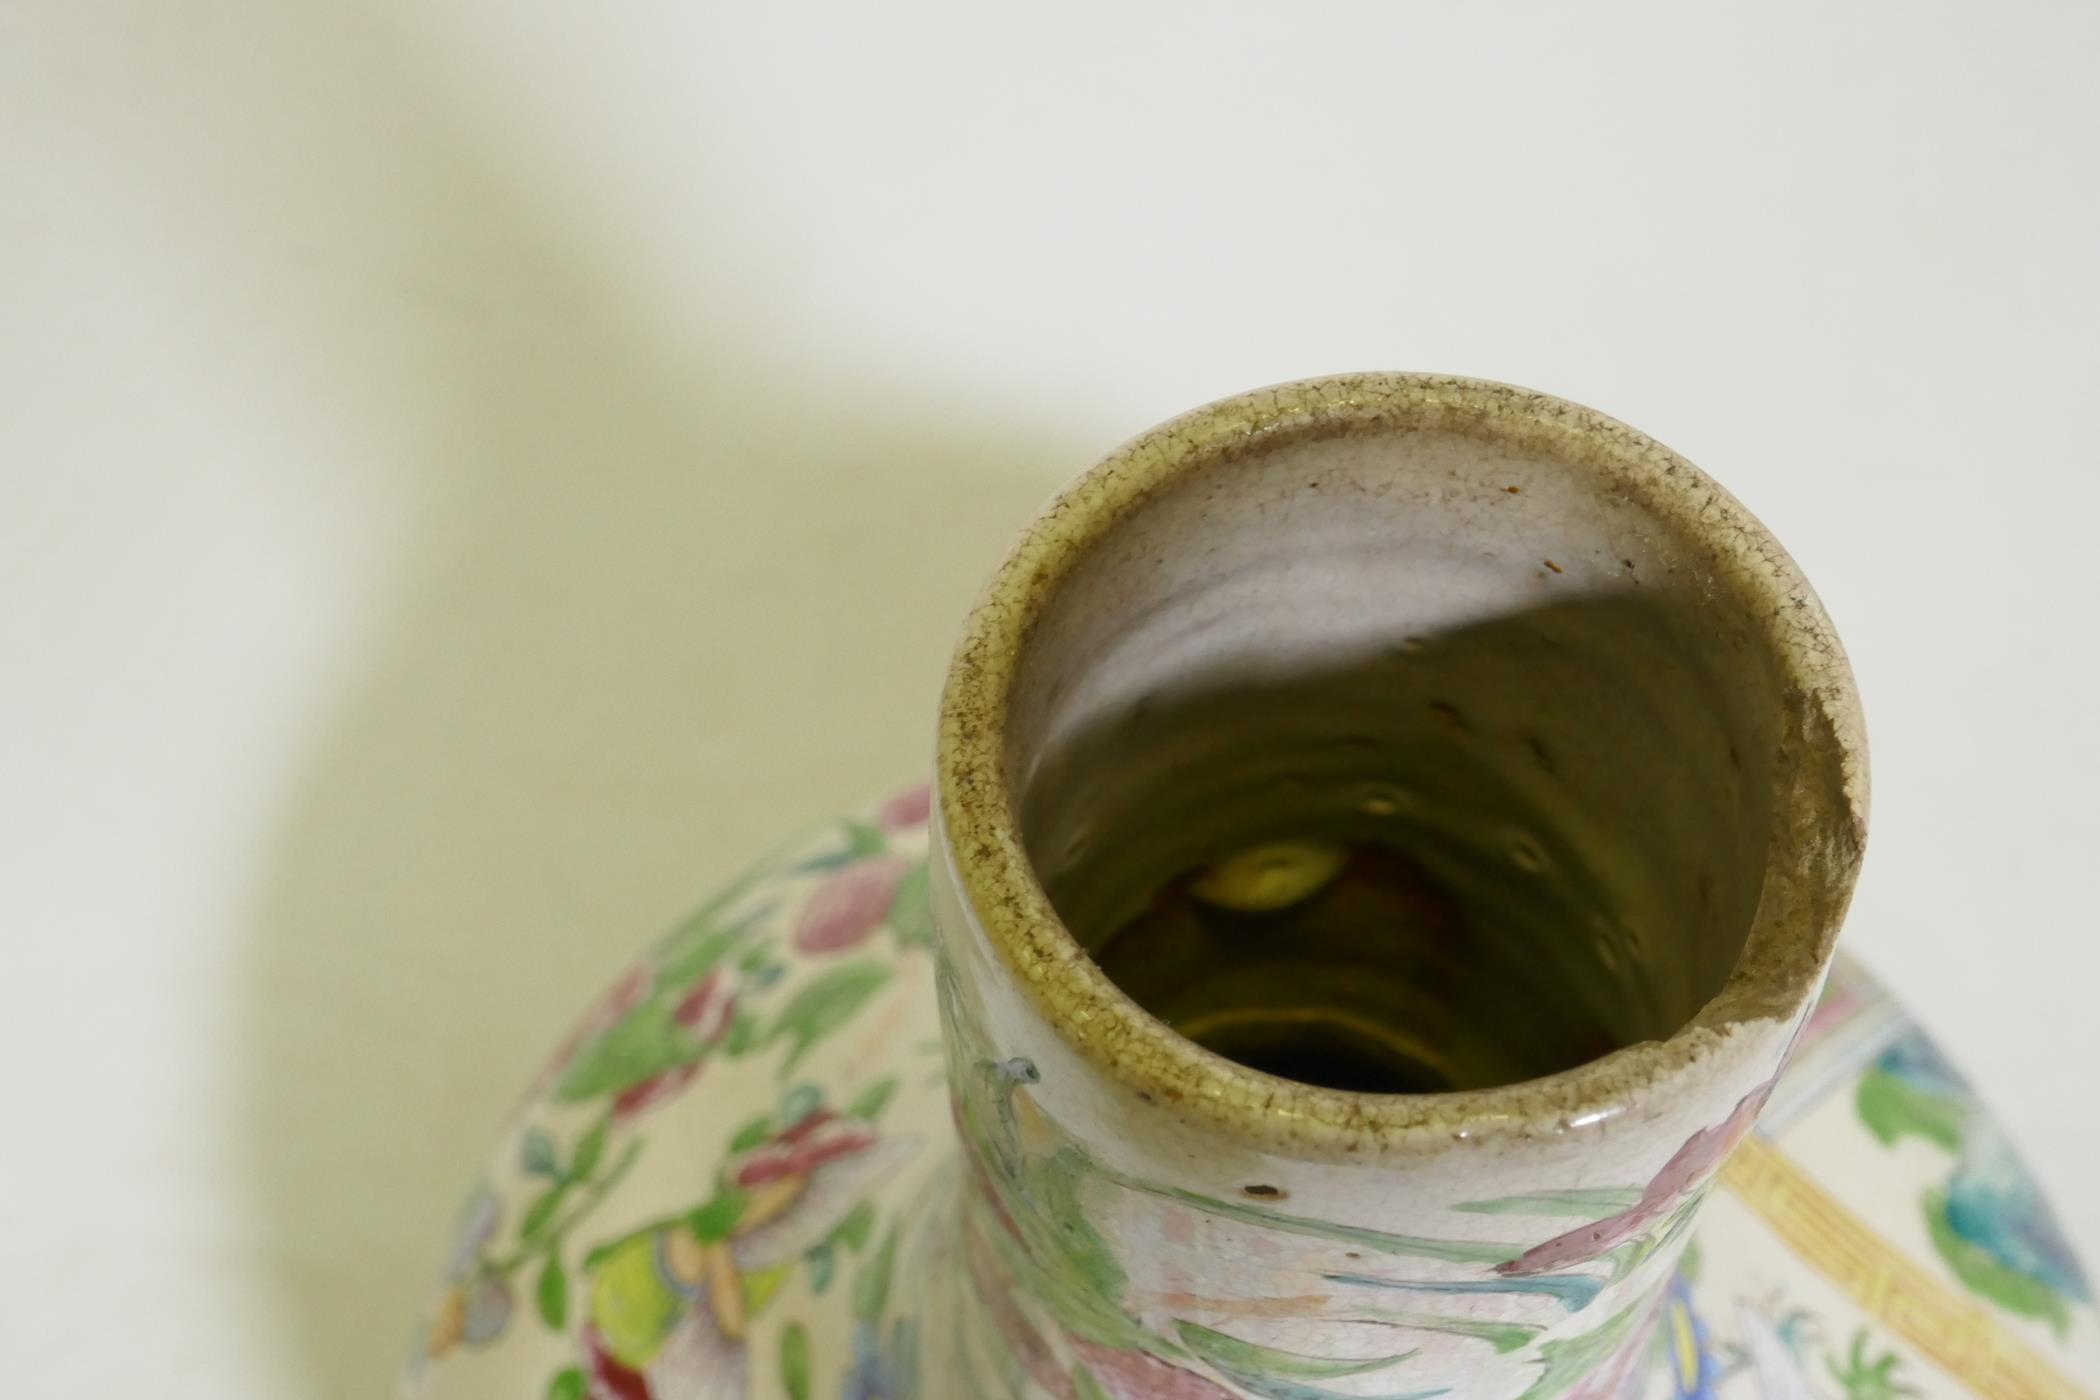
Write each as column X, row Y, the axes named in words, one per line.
column 1786, row 951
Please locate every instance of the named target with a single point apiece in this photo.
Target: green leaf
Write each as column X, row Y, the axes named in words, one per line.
column 873, row 1099
column 864, row 840
column 541, row 1211
column 1232, row 1354
column 824, row 1005
column 799, row 1102
column 680, row 946
column 794, row 1361
column 552, row 1293
column 1591, row 1204
column 678, row 969
column 1504, row 1337
column 589, row 1149
column 1892, row 1110
column 911, row 908
column 823, row 1262
column 536, row 1155
column 752, row 1134
column 648, row 1040
column 754, row 957
column 566, row 1385
column 1085, row 1387
column 743, row 1035
column 1987, row 1277
column 645, row 1043
column 871, row 1291
column 1569, row 1359
column 854, row 1230
column 714, row 1220
column 1411, row 1246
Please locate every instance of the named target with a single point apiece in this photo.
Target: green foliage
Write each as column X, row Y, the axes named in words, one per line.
column 1865, row 1380
column 589, row 1149
column 536, row 1154
column 823, row 1263
column 1085, row 1387
column 648, row 1040
column 822, row 1006
column 862, row 841
column 1415, row 1246
column 742, row 1037
column 713, row 1219
column 1504, row 1337
column 854, row 1230
column 541, row 1211
column 1892, row 1110
column 567, row 1385
column 552, row 1293
column 1591, row 1204
column 798, row 1103
column 1568, row 1361
column 1062, row 1259
column 754, row 1132
column 911, row 909
column 794, row 1361
column 872, row 1100
column 1237, row 1357
column 1986, row 1277
column 871, row 1291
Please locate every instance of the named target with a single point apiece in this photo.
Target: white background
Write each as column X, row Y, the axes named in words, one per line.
column 471, row 475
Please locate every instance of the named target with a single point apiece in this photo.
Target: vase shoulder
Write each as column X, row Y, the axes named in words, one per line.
column 741, row 1176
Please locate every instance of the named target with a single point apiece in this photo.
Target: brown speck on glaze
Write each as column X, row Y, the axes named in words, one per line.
column 1261, row 1192
column 1555, row 567
column 1808, row 881
column 1513, row 490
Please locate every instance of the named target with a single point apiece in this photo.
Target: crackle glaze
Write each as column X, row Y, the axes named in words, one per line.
column 872, row 1123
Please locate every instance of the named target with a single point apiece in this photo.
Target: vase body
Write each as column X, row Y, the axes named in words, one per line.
column 876, row 1123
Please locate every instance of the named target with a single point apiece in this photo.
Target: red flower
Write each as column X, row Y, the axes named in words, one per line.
column 850, row 905
column 907, row 811
column 822, row 1137
column 609, row 1380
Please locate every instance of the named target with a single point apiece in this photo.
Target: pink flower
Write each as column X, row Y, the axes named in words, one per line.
column 1137, row 1375
column 850, row 905
column 657, row 1089
column 706, row 1010
column 1688, row 1166
column 907, row 811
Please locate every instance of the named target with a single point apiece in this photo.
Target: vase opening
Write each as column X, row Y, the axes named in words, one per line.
column 1399, row 760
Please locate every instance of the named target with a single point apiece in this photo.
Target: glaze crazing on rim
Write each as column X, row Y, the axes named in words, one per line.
column 1807, row 882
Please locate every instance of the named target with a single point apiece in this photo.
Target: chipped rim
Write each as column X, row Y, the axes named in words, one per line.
column 1786, row 950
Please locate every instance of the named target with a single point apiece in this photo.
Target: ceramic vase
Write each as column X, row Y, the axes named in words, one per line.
column 876, row 1122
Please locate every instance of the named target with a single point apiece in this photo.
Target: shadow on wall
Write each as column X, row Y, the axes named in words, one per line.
column 657, row 608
